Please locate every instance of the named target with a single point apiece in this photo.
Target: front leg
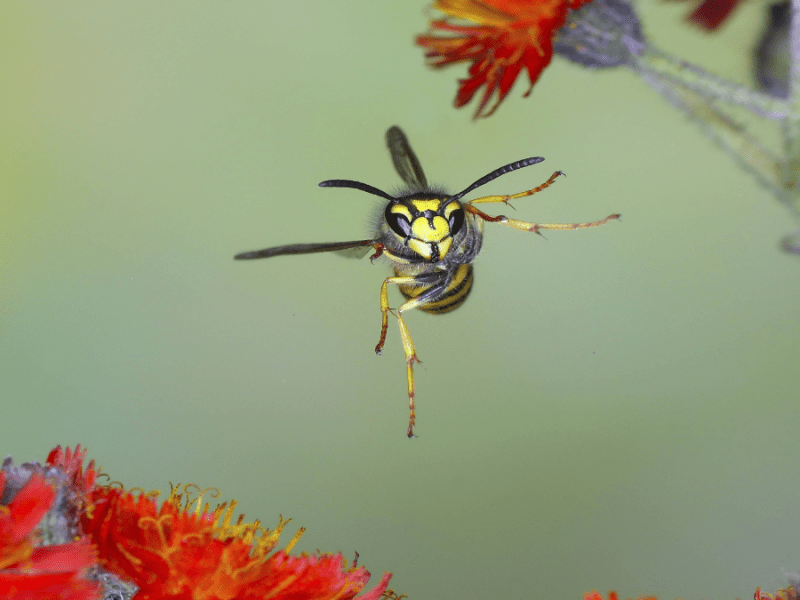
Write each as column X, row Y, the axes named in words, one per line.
column 385, row 310
column 411, row 358
column 536, row 227
column 433, row 291
column 505, row 199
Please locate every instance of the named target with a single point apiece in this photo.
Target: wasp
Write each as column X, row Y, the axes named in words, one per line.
column 430, row 236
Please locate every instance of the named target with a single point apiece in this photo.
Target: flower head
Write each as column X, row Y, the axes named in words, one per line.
column 612, row 595
column 180, row 549
column 172, row 552
column 508, row 36
column 789, row 593
column 80, row 480
column 711, row 13
column 28, row 570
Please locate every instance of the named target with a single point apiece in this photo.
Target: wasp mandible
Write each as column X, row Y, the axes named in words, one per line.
column 431, row 238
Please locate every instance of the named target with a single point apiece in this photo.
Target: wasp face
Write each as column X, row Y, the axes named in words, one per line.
column 425, row 224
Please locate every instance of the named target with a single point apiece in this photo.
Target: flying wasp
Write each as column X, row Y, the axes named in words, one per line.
column 430, row 236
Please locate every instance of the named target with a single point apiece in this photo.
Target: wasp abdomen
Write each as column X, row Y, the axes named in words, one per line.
column 451, row 297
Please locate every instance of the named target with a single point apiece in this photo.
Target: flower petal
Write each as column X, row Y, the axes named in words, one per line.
column 507, row 36
column 170, row 553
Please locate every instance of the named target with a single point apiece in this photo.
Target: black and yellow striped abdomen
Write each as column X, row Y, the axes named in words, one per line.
column 451, row 298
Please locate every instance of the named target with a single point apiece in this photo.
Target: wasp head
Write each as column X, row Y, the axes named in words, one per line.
column 425, row 223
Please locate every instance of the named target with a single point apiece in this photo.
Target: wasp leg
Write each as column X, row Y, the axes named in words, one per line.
column 536, row 227
column 405, row 335
column 385, row 310
column 524, row 225
column 505, row 199
column 411, row 357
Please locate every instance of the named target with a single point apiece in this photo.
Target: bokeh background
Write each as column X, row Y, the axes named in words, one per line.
column 612, row 408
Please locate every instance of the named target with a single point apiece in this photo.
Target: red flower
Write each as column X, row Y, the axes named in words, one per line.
column 510, row 35
column 44, row 573
column 711, row 13
column 612, row 595
column 171, row 553
column 167, row 552
column 789, row 593
column 80, row 481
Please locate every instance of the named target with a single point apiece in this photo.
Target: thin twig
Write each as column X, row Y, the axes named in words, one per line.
column 791, row 124
column 710, row 86
column 722, row 128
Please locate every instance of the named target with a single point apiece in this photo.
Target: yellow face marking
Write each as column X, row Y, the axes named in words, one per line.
column 423, row 205
column 425, row 249
column 422, row 230
column 399, row 209
column 444, row 247
column 453, row 206
column 421, row 248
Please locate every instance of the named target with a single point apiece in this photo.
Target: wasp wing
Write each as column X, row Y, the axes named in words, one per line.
column 405, row 161
column 355, row 249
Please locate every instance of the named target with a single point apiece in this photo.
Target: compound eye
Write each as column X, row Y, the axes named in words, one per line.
column 456, row 221
column 398, row 223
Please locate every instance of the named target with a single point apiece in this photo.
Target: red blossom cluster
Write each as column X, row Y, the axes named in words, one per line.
column 501, row 38
column 507, row 37
column 28, row 569
column 711, row 13
column 612, row 595
column 166, row 550
column 789, row 593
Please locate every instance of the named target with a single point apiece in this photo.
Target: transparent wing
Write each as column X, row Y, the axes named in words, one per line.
column 355, row 249
column 405, row 161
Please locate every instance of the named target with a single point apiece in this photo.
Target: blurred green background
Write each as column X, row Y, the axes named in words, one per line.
column 612, row 408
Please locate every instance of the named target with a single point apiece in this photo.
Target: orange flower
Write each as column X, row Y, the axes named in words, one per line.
column 510, row 35
column 172, row 553
column 44, row 573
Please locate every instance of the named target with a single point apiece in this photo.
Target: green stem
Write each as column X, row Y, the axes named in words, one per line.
column 708, row 85
column 720, row 127
column 791, row 124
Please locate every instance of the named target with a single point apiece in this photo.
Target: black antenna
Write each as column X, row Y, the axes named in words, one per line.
column 525, row 162
column 347, row 183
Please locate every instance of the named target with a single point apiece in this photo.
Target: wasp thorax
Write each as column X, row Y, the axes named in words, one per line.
column 426, row 225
